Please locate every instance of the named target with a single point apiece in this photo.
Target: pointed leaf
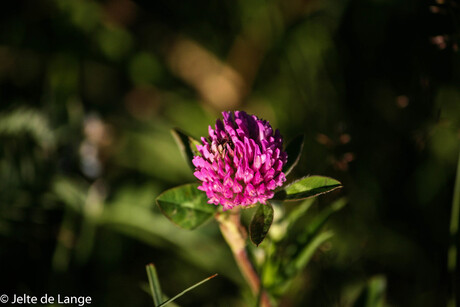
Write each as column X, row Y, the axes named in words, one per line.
column 186, row 206
column 260, row 223
column 308, row 187
column 154, row 283
column 187, row 145
column 294, row 151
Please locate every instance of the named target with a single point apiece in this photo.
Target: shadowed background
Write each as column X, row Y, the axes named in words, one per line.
column 90, row 89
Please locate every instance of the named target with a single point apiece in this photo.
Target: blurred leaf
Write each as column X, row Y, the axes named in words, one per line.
column 146, row 288
column 150, row 150
column 154, row 283
column 318, row 222
column 444, row 143
column 114, row 42
column 298, row 212
column 72, row 192
column 23, row 121
column 186, row 111
column 83, row 14
column 187, row 145
column 294, row 151
column 308, row 187
column 309, row 241
column 64, row 243
column 260, row 223
column 186, row 206
column 452, row 259
column 144, row 68
column 301, row 260
column 187, row 290
column 142, row 223
column 446, row 100
column 64, row 73
column 374, row 294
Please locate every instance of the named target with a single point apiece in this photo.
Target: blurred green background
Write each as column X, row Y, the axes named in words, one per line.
column 90, row 89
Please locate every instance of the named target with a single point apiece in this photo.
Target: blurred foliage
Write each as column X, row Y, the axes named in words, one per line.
column 89, row 91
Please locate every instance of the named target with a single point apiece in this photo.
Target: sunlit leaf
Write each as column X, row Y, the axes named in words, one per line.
column 308, row 187
column 187, row 145
column 260, row 223
column 186, row 206
column 294, row 151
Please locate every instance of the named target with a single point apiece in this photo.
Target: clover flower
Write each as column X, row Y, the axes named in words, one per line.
column 241, row 162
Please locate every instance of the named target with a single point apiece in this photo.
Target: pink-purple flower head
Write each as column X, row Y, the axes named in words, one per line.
column 241, row 162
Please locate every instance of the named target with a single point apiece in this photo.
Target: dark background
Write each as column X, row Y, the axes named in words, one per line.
column 90, row 89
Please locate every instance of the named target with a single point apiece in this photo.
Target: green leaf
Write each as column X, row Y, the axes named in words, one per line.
column 260, row 223
column 308, row 187
column 26, row 121
column 373, row 295
column 376, row 292
column 186, row 206
column 294, row 151
column 187, row 145
column 154, row 283
column 71, row 192
column 320, row 220
column 302, row 259
column 309, row 241
column 187, row 290
column 298, row 212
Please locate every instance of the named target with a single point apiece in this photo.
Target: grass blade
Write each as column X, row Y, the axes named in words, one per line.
column 155, row 287
column 187, row 290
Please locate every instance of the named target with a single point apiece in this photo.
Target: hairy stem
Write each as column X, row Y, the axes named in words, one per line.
column 235, row 235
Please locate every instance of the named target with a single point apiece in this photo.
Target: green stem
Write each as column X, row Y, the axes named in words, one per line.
column 235, row 235
column 455, row 241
